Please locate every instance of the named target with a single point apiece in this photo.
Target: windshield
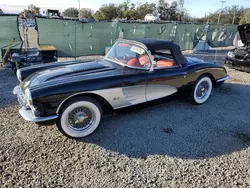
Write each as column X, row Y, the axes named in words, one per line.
column 129, row 54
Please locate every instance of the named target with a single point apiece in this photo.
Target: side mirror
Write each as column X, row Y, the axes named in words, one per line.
column 154, row 64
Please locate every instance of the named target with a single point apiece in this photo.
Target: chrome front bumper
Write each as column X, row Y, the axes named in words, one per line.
column 223, row 79
column 28, row 111
column 29, row 116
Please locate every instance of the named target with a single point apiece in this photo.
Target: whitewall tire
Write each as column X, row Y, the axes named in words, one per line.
column 79, row 117
column 201, row 90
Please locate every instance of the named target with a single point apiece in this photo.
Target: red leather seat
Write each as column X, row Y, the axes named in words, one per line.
column 165, row 63
column 134, row 62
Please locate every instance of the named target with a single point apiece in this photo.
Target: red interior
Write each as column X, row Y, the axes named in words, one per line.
column 165, row 63
column 161, row 63
column 134, row 62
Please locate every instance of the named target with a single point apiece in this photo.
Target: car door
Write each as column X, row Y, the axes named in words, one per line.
column 163, row 82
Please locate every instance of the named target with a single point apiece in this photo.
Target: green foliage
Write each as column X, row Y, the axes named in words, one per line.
column 71, row 12
column 144, row 9
column 125, row 10
column 227, row 15
column 31, row 11
column 86, row 13
column 170, row 12
column 245, row 18
column 98, row 16
column 109, row 11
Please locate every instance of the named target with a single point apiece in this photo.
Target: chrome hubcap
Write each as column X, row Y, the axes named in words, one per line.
column 80, row 118
column 202, row 90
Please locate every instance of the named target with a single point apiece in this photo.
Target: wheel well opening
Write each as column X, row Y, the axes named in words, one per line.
column 107, row 108
column 211, row 77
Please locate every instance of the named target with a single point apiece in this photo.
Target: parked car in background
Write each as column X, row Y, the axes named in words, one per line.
column 76, row 94
column 239, row 58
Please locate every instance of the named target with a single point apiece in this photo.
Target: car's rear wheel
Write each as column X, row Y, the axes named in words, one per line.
column 79, row 117
column 201, row 90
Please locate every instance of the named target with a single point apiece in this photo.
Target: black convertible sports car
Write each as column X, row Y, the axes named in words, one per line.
column 239, row 58
column 76, row 93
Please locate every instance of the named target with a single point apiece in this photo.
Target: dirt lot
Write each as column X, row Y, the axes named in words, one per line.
column 169, row 143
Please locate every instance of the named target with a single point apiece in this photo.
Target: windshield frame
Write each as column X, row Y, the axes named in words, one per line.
column 114, row 60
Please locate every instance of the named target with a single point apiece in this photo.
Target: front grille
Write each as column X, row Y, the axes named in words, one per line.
column 21, row 98
column 239, row 57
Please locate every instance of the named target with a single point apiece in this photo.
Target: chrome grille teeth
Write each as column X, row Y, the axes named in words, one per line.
column 21, row 99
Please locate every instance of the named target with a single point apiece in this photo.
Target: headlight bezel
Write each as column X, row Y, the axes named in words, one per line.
column 230, row 54
column 18, row 75
column 28, row 96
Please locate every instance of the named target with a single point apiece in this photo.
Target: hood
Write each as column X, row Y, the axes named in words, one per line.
column 244, row 31
column 69, row 72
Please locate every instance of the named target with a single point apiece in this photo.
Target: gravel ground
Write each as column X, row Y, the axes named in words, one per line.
column 168, row 143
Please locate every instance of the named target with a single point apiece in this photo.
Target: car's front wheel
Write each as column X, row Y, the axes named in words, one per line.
column 201, row 90
column 79, row 117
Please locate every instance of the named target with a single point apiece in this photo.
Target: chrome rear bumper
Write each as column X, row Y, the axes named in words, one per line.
column 223, row 79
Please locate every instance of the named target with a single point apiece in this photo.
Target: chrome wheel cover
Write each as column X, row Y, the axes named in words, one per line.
column 81, row 118
column 202, row 90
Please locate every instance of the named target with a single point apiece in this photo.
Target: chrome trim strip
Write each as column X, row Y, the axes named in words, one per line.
column 121, row 97
column 27, row 115
column 129, row 96
column 223, row 79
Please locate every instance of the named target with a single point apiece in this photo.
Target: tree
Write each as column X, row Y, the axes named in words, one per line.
column 1, row 12
column 245, row 18
column 86, row 13
column 170, row 12
column 31, row 11
column 98, row 16
column 174, row 12
column 127, row 10
column 228, row 14
column 144, row 9
column 163, row 10
column 71, row 12
column 109, row 11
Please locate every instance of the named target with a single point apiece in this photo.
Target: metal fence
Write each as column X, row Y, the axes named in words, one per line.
column 73, row 38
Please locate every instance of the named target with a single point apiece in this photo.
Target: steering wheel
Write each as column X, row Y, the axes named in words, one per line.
column 126, row 56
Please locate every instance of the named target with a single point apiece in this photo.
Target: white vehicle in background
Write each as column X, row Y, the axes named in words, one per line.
column 151, row 17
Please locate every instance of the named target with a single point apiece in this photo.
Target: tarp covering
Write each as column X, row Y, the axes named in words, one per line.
column 92, row 38
column 188, row 35
column 221, row 35
column 9, row 30
column 73, row 38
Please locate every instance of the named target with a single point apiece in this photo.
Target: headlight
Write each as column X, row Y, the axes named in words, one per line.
column 28, row 96
column 230, row 54
column 19, row 76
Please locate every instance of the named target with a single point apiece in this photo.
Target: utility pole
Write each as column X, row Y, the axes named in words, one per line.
column 233, row 18
column 79, row 8
column 222, row 2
